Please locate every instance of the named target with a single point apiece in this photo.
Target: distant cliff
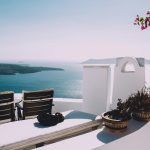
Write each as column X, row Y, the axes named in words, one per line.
column 12, row 69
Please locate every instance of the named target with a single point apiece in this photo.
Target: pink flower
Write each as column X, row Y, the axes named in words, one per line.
column 148, row 13
column 142, row 27
column 143, row 22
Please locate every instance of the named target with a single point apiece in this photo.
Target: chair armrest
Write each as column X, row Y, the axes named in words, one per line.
column 18, row 105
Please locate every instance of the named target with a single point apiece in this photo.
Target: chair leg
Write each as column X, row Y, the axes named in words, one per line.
column 13, row 115
column 19, row 114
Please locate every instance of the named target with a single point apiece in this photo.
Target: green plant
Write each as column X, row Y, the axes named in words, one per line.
column 122, row 112
column 140, row 101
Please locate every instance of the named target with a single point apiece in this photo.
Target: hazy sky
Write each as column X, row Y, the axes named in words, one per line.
column 72, row 29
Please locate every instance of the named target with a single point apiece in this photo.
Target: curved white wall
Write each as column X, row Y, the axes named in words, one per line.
column 127, row 82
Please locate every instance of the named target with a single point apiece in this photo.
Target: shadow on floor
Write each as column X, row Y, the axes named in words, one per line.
column 80, row 115
column 108, row 135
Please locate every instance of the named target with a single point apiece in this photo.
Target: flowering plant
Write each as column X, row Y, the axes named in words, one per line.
column 143, row 22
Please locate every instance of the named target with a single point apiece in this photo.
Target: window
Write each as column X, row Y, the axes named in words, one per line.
column 128, row 67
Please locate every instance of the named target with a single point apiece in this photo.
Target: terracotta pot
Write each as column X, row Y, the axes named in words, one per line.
column 141, row 115
column 112, row 123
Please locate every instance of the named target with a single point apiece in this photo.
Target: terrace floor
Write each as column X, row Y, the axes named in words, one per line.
column 102, row 139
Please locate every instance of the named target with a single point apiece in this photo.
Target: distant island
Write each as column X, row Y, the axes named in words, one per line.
column 12, row 69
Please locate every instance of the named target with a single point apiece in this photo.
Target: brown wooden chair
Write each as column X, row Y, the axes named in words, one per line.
column 35, row 103
column 7, row 110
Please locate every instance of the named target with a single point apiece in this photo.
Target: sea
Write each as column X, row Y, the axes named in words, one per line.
column 66, row 84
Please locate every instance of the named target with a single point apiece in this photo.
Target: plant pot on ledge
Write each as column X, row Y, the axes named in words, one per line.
column 117, row 118
column 114, row 123
column 140, row 104
column 141, row 115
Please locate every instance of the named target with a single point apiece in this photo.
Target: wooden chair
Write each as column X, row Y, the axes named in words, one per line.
column 34, row 103
column 7, row 110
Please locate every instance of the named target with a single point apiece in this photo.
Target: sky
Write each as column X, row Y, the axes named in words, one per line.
column 72, row 30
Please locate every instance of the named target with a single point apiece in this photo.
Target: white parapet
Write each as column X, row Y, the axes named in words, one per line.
column 64, row 104
column 60, row 104
column 96, row 79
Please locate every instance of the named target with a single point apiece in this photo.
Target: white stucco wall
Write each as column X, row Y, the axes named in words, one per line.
column 127, row 82
column 95, row 88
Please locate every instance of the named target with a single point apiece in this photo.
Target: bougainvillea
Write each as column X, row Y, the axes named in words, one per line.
column 143, row 22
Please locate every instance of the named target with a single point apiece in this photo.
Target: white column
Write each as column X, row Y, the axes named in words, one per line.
column 96, row 92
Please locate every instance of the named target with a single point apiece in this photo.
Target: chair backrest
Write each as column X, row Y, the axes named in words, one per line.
column 7, row 110
column 37, row 102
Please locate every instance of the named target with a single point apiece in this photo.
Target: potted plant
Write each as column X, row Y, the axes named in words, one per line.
column 140, row 104
column 119, row 117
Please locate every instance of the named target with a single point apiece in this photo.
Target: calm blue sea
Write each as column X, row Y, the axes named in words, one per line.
column 66, row 84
